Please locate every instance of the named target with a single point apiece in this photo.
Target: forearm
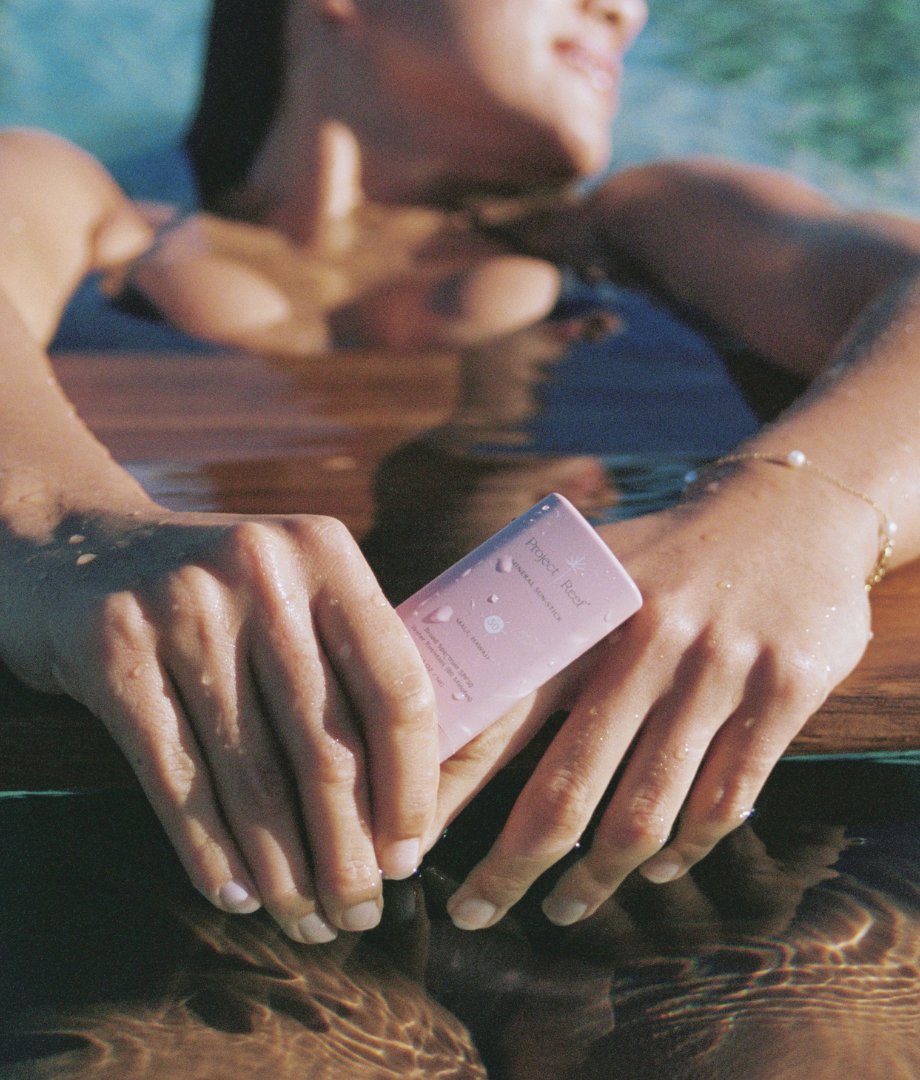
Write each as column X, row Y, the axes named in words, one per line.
column 754, row 251
column 860, row 421
column 51, row 466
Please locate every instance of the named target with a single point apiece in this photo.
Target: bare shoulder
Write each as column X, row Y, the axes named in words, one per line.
column 712, row 187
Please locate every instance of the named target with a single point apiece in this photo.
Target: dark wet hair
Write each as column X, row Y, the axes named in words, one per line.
column 243, row 82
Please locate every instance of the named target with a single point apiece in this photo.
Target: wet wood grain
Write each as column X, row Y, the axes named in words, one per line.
column 241, row 434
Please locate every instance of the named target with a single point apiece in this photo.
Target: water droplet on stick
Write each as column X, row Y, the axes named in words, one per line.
column 442, row 614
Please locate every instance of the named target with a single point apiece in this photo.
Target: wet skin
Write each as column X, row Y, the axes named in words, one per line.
column 755, row 605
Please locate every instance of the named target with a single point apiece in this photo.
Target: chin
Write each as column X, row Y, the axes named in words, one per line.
column 589, row 155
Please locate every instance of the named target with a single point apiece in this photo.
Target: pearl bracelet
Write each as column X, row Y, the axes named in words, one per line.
column 796, row 459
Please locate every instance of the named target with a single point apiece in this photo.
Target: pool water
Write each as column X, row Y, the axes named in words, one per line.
column 790, row 952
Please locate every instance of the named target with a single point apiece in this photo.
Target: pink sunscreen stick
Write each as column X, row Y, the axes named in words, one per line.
column 501, row 622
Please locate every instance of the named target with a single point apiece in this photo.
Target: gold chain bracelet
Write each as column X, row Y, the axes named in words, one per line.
column 796, row 459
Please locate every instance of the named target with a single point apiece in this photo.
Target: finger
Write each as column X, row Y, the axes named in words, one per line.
column 389, row 689
column 255, row 788
column 465, row 773
column 742, row 756
column 138, row 704
column 557, row 802
column 707, row 686
column 315, row 729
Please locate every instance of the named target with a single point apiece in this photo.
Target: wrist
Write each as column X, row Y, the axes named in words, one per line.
column 799, row 466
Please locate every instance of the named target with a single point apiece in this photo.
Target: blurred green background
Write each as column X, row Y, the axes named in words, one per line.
column 827, row 88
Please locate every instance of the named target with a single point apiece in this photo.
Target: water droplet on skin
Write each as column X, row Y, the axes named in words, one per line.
column 334, row 602
column 550, row 663
column 725, row 584
column 546, row 507
column 207, row 679
column 136, row 672
column 749, row 723
column 458, row 696
column 504, row 565
column 609, row 617
column 592, row 711
column 76, row 539
column 493, row 599
column 467, row 572
column 442, row 614
column 380, row 601
column 681, row 752
column 84, row 559
column 871, row 636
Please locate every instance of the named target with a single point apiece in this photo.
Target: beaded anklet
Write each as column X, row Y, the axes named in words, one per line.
column 796, row 459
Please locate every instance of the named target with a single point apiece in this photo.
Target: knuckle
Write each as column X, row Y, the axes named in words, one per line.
column 248, row 541
column 324, row 533
column 334, row 766
column 726, row 655
column 123, row 624
column 666, row 630
column 411, row 697
column 800, row 678
column 730, row 806
column 352, row 875
column 170, row 775
column 644, row 824
column 564, row 806
column 692, row 849
column 501, row 886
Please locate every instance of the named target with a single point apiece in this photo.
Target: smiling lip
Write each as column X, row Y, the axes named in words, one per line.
column 601, row 69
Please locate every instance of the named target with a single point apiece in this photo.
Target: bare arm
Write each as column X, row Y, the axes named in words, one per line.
column 267, row 696
column 755, row 597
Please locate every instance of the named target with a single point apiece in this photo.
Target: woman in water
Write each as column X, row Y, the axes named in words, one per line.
column 401, row 180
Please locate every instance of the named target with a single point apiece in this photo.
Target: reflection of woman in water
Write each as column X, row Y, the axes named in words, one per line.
column 250, row 668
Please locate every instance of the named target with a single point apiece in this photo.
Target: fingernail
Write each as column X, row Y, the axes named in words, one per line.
column 315, row 931
column 563, row 910
column 362, row 916
column 472, row 914
column 658, row 871
column 402, row 859
column 236, row 899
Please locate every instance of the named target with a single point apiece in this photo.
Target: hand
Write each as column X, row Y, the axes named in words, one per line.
column 755, row 608
column 268, row 697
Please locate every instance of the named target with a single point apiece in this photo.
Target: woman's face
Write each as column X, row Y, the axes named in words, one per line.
column 557, row 62
column 516, row 90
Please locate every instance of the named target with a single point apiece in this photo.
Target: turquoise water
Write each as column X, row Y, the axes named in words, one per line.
column 119, row 77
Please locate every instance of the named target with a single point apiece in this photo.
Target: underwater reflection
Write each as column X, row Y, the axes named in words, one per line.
column 113, row 967
column 792, row 951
